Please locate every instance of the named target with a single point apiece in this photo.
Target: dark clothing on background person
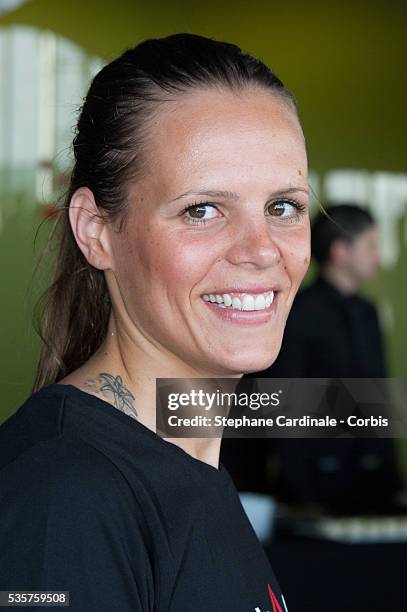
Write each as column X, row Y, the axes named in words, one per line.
column 95, row 503
column 246, row 458
column 332, row 335
column 329, row 334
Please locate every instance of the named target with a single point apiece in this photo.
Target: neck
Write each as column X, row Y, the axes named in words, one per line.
column 123, row 372
column 340, row 279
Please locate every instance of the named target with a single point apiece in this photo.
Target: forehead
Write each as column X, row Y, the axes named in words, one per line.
column 222, row 135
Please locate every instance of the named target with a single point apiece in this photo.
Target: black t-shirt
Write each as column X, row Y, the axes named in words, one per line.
column 95, row 503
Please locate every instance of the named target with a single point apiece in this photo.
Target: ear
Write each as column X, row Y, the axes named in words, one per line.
column 90, row 230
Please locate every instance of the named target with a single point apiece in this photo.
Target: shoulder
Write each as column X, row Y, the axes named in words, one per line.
column 46, row 438
column 63, row 495
column 306, row 314
column 85, row 457
column 39, row 418
column 366, row 305
column 38, row 458
column 367, row 302
column 63, row 472
column 307, row 299
column 67, row 447
column 33, row 446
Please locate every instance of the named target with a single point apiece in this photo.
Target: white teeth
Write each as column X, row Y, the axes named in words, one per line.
column 259, row 302
column 269, row 299
column 249, row 302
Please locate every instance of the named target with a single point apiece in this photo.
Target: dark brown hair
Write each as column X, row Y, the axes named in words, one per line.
column 110, row 148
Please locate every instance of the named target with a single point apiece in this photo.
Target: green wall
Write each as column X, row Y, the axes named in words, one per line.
column 19, row 344
column 344, row 60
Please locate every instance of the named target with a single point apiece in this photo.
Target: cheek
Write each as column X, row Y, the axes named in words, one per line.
column 177, row 262
column 296, row 252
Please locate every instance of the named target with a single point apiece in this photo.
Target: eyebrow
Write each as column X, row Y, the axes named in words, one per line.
column 231, row 195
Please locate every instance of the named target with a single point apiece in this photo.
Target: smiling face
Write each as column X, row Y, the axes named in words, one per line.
column 240, row 161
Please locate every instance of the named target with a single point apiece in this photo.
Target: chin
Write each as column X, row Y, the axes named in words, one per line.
column 256, row 362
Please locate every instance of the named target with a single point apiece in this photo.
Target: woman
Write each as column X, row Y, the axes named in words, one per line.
column 183, row 241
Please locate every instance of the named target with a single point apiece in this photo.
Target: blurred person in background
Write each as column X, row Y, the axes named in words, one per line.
column 332, row 331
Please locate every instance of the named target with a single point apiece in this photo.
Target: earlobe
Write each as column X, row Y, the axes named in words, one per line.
column 89, row 228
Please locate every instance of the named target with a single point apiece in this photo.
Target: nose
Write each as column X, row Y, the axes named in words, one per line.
column 254, row 246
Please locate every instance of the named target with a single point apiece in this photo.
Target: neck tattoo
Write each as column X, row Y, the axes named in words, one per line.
column 107, row 385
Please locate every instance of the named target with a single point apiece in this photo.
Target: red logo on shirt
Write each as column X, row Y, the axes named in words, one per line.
column 274, row 601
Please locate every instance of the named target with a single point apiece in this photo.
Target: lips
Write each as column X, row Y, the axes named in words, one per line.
column 242, row 289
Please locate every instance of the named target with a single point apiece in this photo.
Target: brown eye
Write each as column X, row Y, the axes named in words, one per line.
column 288, row 210
column 197, row 212
column 200, row 213
column 277, row 209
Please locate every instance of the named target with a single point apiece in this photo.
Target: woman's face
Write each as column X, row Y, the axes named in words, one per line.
column 240, row 161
